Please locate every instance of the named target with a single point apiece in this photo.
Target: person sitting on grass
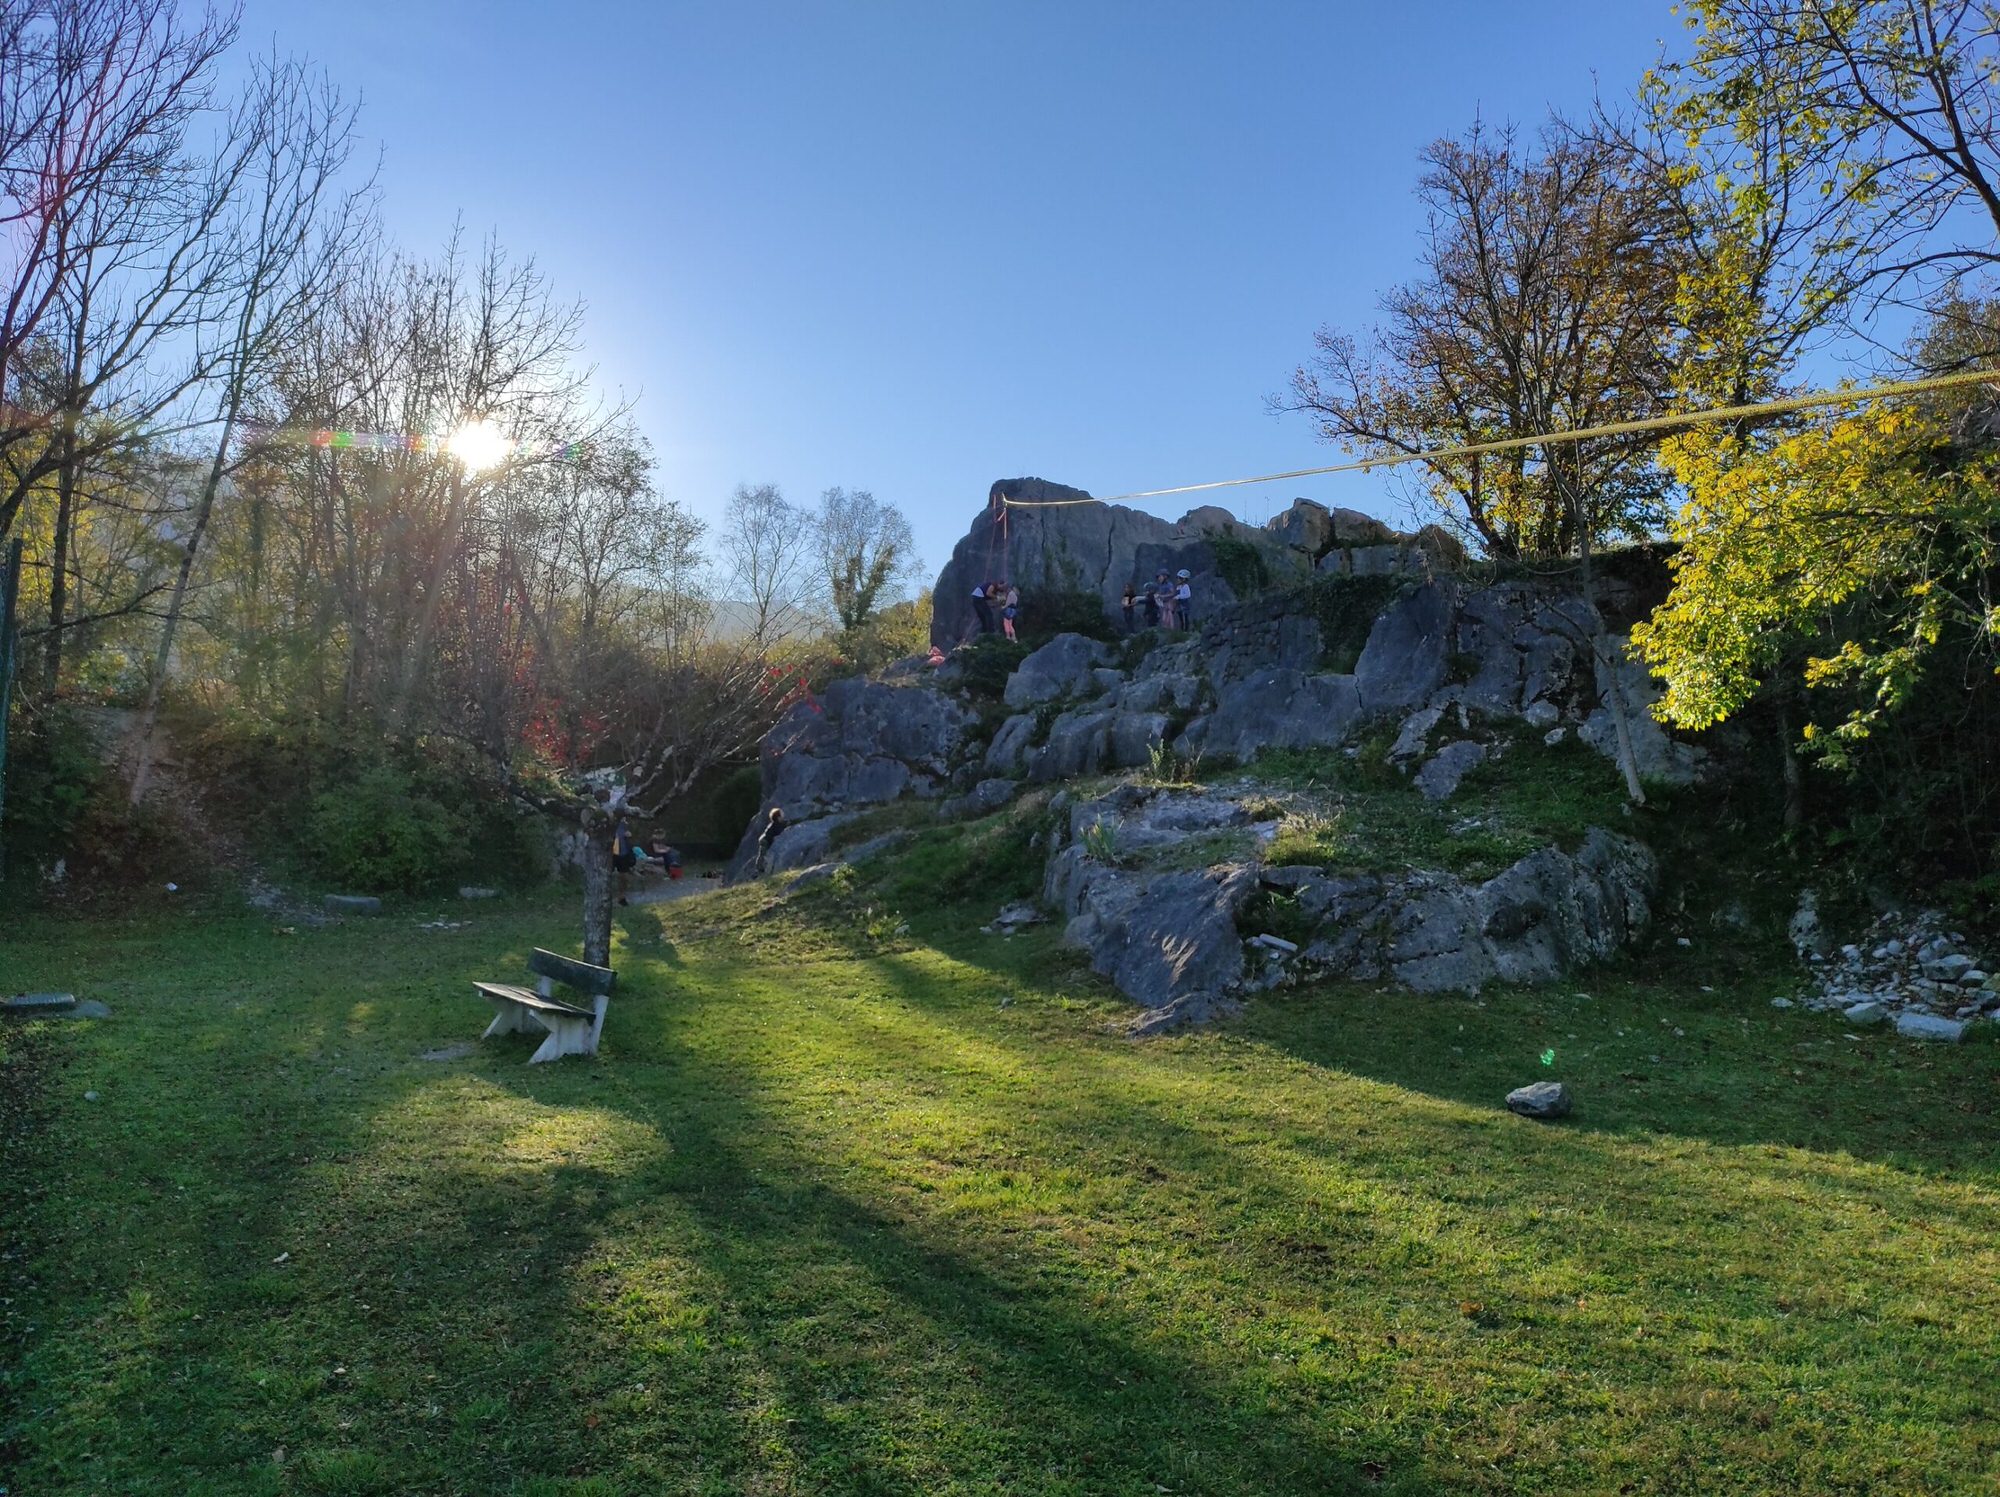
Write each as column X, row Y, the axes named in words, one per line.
column 774, row 826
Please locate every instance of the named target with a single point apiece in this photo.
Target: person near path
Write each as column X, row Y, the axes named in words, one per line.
column 1010, row 608
column 774, row 827
column 623, row 858
column 1127, row 603
column 981, row 607
column 1163, row 589
column 668, row 858
column 1184, row 599
column 1152, row 602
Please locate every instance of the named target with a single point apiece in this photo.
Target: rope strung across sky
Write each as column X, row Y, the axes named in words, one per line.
column 1581, row 434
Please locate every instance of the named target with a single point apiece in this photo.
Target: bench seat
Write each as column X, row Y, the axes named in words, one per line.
column 572, row 1030
column 511, row 993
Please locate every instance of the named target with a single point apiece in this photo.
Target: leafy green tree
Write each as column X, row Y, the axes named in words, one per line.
column 866, row 550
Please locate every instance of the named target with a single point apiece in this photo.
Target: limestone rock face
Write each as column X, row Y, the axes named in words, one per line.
column 1008, row 752
column 1065, row 666
column 1162, row 938
column 1658, row 756
column 861, row 743
column 1282, row 708
column 1404, row 660
column 1086, row 547
column 1545, row 916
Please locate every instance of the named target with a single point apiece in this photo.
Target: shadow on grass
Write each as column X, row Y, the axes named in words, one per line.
column 1655, row 1044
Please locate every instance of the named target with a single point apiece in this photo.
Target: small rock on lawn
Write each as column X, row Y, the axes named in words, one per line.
column 1542, row 1099
column 1930, row 1027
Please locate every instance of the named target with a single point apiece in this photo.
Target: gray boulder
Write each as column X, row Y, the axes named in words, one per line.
column 1079, row 744
column 1930, row 1027
column 1404, row 659
column 1439, row 779
column 1134, row 736
column 1306, row 527
column 1064, row 667
column 1008, row 752
column 1159, row 693
column 1164, row 938
column 1541, row 1099
column 1282, row 708
column 982, row 799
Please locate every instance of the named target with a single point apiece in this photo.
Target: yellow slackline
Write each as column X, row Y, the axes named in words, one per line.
column 1581, row 434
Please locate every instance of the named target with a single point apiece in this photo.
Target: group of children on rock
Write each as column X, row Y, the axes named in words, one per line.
column 1167, row 602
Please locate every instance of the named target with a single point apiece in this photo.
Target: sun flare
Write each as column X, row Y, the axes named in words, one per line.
column 479, row 445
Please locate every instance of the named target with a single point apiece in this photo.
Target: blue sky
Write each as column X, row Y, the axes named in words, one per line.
column 915, row 247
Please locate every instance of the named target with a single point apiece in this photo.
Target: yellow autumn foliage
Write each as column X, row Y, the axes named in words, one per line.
column 1857, row 544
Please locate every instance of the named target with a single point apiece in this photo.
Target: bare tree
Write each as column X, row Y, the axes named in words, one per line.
column 1546, row 303
column 769, row 552
column 97, row 186
column 293, row 227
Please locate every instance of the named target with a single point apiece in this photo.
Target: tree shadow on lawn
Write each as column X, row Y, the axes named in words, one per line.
column 891, row 1360
column 1719, row 1066
column 1340, row 1203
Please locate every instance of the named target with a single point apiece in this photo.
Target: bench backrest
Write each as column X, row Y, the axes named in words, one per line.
column 572, row 973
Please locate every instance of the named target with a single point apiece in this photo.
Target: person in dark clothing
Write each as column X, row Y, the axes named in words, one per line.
column 623, row 858
column 774, row 826
column 1128, row 603
column 1152, row 602
column 981, row 607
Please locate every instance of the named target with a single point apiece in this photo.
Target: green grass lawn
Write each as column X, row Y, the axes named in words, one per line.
column 846, row 1206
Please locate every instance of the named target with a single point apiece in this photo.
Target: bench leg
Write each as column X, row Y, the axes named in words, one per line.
column 511, row 1018
column 566, row 1037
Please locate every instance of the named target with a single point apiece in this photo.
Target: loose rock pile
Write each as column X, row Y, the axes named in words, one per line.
column 1909, row 970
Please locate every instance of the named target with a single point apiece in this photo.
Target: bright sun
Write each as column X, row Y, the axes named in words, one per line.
column 479, row 445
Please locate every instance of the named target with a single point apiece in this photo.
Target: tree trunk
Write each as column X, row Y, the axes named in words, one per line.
column 59, row 556
column 597, row 883
column 1788, row 762
column 149, row 715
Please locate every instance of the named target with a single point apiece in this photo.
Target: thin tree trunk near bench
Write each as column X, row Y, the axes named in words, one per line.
column 597, row 885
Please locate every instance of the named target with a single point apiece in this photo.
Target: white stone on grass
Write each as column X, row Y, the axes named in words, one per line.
column 1930, row 1027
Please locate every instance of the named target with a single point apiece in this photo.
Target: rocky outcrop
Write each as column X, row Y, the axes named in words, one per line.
column 1070, row 547
column 1282, row 709
column 1548, row 914
column 860, row 743
column 1168, row 937
column 1064, row 667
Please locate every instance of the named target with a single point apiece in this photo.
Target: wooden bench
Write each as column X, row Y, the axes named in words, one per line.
column 572, row 1030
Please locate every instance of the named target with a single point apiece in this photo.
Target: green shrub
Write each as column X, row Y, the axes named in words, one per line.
column 53, row 773
column 1240, row 564
column 985, row 665
column 380, row 833
column 1058, row 610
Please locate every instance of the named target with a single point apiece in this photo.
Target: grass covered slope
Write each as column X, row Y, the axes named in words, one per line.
column 857, row 1199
